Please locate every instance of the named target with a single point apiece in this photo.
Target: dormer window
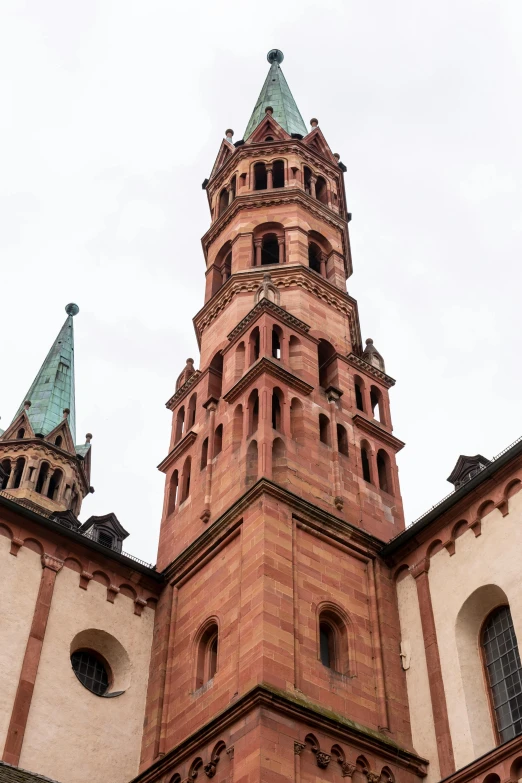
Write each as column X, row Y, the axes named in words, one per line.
column 105, row 539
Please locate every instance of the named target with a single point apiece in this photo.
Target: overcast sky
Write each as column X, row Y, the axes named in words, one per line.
column 111, row 115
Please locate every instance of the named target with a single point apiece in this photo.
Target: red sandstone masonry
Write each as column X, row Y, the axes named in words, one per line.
column 263, row 566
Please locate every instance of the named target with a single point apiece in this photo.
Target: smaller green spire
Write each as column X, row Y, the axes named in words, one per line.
column 53, row 388
column 276, row 94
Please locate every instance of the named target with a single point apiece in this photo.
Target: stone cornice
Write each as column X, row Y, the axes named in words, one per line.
column 183, row 390
column 261, row 199
column 282, row 315
column 15, row 506
column 369, row 369
column 273, row 368
column 376, row 431
column 283, row 276
column 294, row 706
column 315, row 517
column 178, row 449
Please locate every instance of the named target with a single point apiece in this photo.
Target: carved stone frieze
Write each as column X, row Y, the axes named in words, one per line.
column 283, row 276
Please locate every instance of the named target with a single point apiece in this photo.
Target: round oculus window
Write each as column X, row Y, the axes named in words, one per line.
column 92, row 671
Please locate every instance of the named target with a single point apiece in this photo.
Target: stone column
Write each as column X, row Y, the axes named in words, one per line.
column 269, row 177
column 11, row 479
column 24, row 693
column 258, row 243
column 333, row 395
column 230, row 196
column 281, row 248
column 312, row 186
column 322, row 261
column 431, row 647
column 211, row 406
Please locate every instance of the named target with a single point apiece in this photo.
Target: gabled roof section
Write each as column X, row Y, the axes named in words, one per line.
column 53, row 388
column 20, row 421
column 225, row 152
column 270, row 127
column 276, row 93
column 317, row 142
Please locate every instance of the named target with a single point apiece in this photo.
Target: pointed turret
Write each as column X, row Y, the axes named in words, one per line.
column 39, row 458
column 52, row 391
column 275, row 94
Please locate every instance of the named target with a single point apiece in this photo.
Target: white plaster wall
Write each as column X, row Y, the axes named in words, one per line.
column 491, row 559
column 72, row 735
column 421, row 714
column 19, row 582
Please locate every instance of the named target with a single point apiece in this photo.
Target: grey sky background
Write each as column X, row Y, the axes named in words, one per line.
column 111, row 116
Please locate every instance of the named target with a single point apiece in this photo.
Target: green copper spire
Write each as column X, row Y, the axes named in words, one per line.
column 276, row 93
column 53, row 388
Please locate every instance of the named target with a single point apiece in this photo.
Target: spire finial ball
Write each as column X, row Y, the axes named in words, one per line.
column 275, row 56
column 72, row 309
column 369, row 341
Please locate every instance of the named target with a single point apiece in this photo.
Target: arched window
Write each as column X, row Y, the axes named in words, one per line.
column 173, row 492
column 327, row 364
column 504, row 672
column 269, row 250
column 42, row 476
column 21, row 433
column 223, row 201
column 218, row 440
column 384, row 471
column 277, row 338
column 233, row 188
column 314, row 257
column 295, row 358
column 253, row 412
column 6, row 469
column 278, row 460
column 191, row 413
column 333, row 641
column 277, row 409
column 278, row 174
column 216, row 375
column 365, row 461
column 237, row 428
column 260, row 179
column 359, row 393
column 376, row 403
column 59, row 440
column 207, row 655
column 324, row 429
column 204, row 454
column 321, row 190
column 54, row 484
column 180, row 424
column 251, row 463
column 342, row 440
column 297, row 420
column 254, row 345
column 185, row 480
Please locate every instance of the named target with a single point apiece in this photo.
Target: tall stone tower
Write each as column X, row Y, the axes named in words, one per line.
column 276, row 652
